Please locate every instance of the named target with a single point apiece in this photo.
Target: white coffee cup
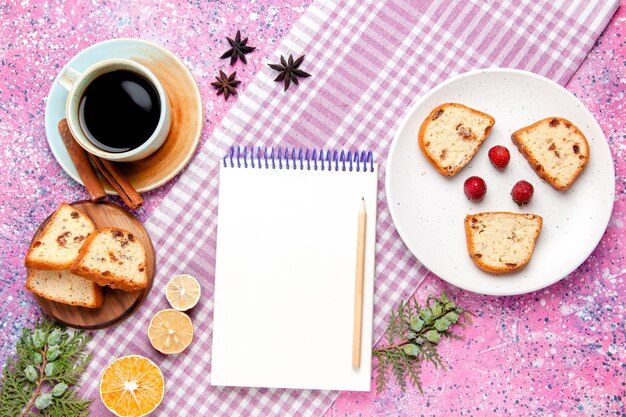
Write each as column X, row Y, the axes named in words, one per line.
column 76, row 83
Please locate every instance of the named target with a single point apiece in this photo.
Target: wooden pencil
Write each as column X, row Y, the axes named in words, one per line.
column 358, row 288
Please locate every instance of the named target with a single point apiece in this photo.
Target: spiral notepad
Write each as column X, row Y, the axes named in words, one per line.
column 285, row 268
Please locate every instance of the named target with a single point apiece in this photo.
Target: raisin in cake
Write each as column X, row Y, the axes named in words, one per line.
column 65, row 287
column 501, row 242
column 58, row 245
column 452, row 134
column 113, row 257
column 555, row 148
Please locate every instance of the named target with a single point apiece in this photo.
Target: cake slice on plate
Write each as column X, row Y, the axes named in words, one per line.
column 555, row 148
column 501, row 242
column 113, row 257
column 452, row 134
column 58, row 245
column 65, row 287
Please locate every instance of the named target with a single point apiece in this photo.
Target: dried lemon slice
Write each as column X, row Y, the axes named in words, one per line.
column 170, row 331
column 132, row 386
column 183, row 292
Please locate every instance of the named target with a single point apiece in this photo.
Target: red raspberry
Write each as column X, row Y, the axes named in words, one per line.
column 499, row 157
column 475, row 188
column 522, row 192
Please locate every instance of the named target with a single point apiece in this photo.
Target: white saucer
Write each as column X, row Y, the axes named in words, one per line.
column 155, row 170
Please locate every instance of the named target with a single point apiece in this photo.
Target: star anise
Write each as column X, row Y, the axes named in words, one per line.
column 226, row 84
column 239, row 49
column 289, row 70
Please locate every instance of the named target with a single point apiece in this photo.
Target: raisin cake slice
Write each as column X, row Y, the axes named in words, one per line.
column 555, row 148
column 113, row 257
column 501, row 242
column 451, row 135
column 60, row 241
column 65, row 287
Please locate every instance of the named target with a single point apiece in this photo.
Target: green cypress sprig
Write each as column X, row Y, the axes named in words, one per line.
column 413, row 334
column 40, row 380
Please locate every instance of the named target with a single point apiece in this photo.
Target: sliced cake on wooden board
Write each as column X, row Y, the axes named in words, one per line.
column 65, row 287
column 113, row 257
column 500, row 241
column 451, row 135
column 60, row 241
column 555, row 148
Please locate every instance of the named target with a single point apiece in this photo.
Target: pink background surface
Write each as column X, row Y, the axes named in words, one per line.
column 556, row 352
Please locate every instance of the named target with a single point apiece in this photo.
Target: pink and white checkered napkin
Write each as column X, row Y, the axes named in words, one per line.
column 369, row 60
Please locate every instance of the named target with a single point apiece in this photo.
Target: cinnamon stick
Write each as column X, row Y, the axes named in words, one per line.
column 81, row 161
column 119, row 182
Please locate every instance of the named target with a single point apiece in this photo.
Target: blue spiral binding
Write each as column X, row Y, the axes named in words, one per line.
column 290, row 158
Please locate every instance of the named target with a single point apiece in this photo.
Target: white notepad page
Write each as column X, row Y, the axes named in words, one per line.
column 285, row 278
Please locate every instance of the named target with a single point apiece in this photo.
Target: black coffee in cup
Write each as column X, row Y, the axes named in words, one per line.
column 119, row 111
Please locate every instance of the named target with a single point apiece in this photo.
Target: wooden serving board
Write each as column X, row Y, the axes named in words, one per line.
column 118, row 304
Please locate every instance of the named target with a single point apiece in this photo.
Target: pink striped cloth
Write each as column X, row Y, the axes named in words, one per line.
column 369, row 60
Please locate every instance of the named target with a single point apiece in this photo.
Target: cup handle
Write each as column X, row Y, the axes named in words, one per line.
column 68, row 78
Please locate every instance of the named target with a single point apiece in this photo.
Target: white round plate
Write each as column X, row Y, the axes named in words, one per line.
column 428, row 209
column 154, row 171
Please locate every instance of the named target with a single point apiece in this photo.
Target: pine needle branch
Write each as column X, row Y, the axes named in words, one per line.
column 41, row 379
column 413, row 335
